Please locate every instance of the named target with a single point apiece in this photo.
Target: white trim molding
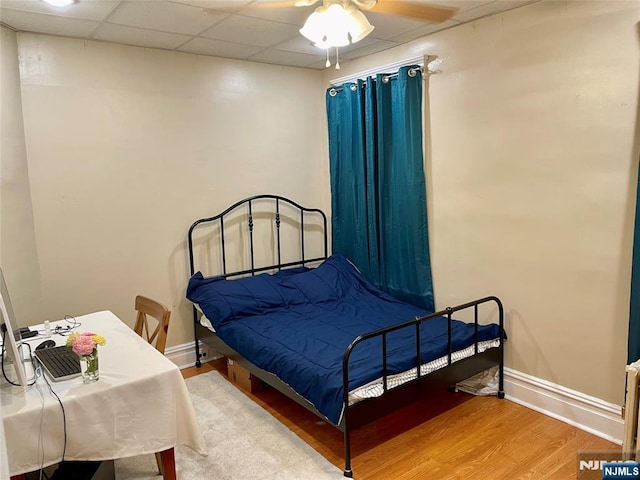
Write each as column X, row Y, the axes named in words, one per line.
column 585, row 412
column 185, row 355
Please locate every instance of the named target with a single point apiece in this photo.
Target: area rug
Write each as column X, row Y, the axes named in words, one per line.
column 244, row 442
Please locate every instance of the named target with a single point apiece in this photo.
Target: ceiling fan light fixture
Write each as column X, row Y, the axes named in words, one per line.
column 334, row 39
column 315, row 27
column 59, row 3
column 360, row 26
column 336, row 26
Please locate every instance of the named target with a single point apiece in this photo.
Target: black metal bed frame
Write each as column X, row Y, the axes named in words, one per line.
column 392, row 398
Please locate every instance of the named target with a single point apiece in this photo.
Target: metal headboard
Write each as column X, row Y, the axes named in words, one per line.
column 249, row 204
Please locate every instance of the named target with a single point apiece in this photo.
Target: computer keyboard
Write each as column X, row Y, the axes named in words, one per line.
column 60, row 362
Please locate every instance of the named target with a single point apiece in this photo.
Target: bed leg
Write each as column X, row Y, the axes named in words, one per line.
column 347, row 450
column 197, row 345
column 501, row 375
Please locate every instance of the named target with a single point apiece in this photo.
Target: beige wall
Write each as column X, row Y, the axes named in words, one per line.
column 128, row 146
column 17, row 239
column 532, row 168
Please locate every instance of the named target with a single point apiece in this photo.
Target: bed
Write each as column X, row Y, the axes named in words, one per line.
column 311, row 326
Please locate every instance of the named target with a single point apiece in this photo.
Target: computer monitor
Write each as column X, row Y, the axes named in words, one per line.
column 10, row 348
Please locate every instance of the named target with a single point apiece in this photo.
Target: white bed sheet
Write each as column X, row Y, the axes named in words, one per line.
column 376, row 388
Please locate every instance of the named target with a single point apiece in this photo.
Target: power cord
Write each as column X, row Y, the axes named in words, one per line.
column 64, row 416
column 4, row 374
column 39, row 373
column 59, row 330
column 40, row 443
column 68, row 329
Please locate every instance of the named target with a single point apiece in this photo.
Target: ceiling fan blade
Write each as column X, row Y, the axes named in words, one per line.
column 291, row 3
column 431, row 13
column 261, row 6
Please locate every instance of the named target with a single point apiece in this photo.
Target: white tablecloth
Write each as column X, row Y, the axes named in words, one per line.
column 140, row 405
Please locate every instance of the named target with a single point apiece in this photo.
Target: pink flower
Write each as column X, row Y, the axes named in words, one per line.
column 83, row 345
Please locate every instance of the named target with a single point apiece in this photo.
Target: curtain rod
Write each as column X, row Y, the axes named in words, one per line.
column 385, row 79
column 421, row 60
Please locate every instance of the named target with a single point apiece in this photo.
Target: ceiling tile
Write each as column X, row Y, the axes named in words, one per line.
column 165, row 16
column 49, row 24
column 111, row 32
column 462, row 5
column 389, row 25
column 488, row 9
column 87, row 9
column 290, row 15
column 366, row 49
column 277, row 57
column 217, row 48
column 230, row 5
column 251, row 31
column 300, row 44
column 422, row 31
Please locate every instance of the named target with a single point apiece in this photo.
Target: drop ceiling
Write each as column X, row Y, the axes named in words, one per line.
column 239, row 29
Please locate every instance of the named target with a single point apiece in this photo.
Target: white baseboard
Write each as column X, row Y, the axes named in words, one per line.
column 585, row 412
column 185, row 355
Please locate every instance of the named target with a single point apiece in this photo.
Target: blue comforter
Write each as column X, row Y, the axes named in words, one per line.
column 297, row 324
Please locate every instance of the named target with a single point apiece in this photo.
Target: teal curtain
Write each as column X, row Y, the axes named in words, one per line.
column 633, row 348
column 378, row 197
column 349, row 182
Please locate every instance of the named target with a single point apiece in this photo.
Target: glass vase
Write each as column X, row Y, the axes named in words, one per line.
column 89, row 367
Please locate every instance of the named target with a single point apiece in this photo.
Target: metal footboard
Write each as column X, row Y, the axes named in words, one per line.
column 416, row 323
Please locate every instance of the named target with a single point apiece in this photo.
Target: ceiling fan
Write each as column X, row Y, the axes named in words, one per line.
column 338, row 23
column 406, row 8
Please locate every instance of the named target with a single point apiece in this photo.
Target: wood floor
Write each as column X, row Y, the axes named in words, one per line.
column 445, row 436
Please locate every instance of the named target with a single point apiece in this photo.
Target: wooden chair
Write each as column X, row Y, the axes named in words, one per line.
column 150, row 308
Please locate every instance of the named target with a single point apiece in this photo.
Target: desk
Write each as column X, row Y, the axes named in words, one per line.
column 140, row 405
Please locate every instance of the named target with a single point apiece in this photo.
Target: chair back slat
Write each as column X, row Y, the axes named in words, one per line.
column 146, row 308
